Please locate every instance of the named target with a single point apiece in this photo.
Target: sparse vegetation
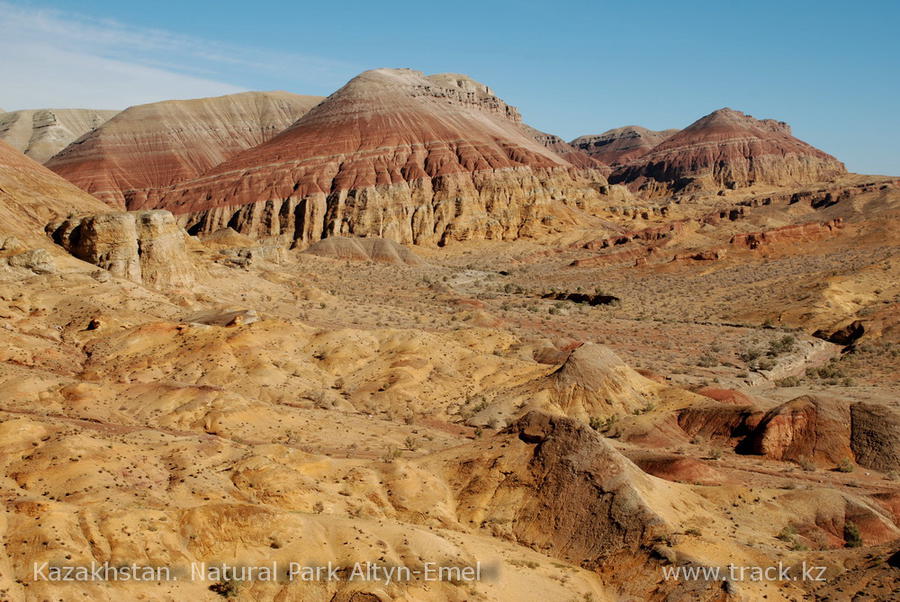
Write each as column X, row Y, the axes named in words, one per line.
column 789, row 381
column 845, row 465
column 787, row 534
column 226, row 589
column 852, row 536
column 390, row 454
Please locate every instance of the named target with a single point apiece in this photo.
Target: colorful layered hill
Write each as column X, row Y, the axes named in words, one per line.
column 621, row 145
column 31, row 196
column 42, row 133
column 150, row 146
column 394, row 154
column 727, row 149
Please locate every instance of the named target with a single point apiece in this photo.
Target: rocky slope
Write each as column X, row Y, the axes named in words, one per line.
column 42, row 133
column 727, row 149
column 395, row 154
column 154, row 145
column 31, row 196
column 573, row 155
column 620, row 145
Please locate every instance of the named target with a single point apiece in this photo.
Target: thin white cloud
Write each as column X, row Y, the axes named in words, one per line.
column 57, row 59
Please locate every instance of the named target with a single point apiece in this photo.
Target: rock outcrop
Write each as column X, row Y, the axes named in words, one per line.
column 875, row 437
column 727, row 149
column 795, row 233
column 143, row 246
column 38, row 261
column 805, row 429
column 621, row 145
column 150, row 146
column 398, row 155
column 554, row 484
column 42, row 133
column 364, row 249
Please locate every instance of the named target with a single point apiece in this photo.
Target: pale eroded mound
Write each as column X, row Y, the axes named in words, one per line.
column 364, row 249
column 42, row 133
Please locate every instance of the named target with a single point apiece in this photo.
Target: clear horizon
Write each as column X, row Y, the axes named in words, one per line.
column 572, row 69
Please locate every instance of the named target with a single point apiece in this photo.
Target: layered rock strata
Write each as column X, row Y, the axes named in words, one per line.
column 620, row 145
column 151, row 146
column 727, row 149
column 397, row 155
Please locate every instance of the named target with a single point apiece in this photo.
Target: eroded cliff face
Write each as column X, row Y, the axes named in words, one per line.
column 149, row 146
column 502, row 205
column 393, row 154
column 146, row 247
column 727, row 149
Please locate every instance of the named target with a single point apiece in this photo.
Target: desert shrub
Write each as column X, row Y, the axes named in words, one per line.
column 693, row 531
column 785, row 344
column 830, row 370
column 707, row 360
column 390, row 454
column 786, row 534
column 226, row 589
column 845, row 466
column 789, row 381
column 602, row 424
column 763, row 364
column 750, row 354
column 852, row 536
column 807, row 465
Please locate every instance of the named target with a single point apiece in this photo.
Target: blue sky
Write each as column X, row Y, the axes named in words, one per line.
column 830, row 69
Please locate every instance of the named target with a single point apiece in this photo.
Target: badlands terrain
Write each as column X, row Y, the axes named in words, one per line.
column 400, row 326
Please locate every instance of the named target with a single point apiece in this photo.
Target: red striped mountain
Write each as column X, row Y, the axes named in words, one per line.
column 727, row 149
column 149, row 146
column 394, row 154
column 621, row 145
